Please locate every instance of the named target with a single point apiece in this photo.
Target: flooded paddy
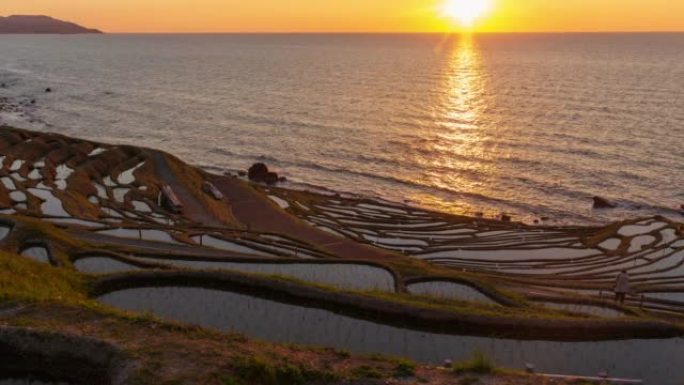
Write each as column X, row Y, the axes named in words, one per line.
column 51, row 205
column 590, row 310
column 217, row 243
column 346, row 276
column 652, row 360
column 74, row 221
column 103, row 265
column 37, row 253
column 4, row 231
column 140, row 234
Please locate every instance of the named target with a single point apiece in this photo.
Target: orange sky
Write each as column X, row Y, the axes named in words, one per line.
column 353, row 15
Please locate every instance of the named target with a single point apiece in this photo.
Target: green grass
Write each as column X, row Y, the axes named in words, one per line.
column 478, row 364
column 26, row 280
column 405, row 369
column 367, row 371
column 262, row 370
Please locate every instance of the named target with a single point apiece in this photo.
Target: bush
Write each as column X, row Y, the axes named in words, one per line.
column 405, row 369
column 259, row 370
column 478, row 364
column 366, row 371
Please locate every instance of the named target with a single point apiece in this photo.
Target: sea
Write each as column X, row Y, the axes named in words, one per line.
column 528, row 125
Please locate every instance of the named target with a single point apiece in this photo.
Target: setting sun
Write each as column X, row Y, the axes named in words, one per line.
column 466, row 12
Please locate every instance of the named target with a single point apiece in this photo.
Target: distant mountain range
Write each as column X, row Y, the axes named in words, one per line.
column 40, row 24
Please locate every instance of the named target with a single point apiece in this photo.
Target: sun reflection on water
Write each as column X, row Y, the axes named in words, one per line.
column 459, row 156
column 465, row 85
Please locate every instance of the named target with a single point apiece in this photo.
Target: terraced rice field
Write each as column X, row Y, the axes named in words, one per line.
column 95, row 209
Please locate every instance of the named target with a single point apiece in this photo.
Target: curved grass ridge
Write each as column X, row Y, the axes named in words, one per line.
column 396, row 310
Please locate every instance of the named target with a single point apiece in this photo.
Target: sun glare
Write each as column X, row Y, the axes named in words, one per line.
column 466, row 12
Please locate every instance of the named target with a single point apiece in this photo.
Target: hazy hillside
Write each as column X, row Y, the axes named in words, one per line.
column 40, row 24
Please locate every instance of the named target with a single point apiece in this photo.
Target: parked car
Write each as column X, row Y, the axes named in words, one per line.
column 210, row 189
column 169, row 199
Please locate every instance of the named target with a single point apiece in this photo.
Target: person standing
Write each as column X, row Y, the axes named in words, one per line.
column 621, row 287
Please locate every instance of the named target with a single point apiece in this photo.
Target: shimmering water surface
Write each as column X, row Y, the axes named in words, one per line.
column 532, row 125
column 654, row 361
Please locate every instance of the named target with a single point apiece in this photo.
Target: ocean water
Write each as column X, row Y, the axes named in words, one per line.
column 529, row 125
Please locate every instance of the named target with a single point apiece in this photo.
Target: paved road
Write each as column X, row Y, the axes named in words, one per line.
column 193, row 209
column 258, row 213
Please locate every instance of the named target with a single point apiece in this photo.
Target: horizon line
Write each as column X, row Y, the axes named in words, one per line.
column 385, row 32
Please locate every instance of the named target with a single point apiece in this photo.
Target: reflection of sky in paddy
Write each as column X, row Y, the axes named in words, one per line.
column 37, row 253
column 653, row 360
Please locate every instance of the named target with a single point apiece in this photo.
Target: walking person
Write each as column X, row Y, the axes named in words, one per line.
column 621, row 287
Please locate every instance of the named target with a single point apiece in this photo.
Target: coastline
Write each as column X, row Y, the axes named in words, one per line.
column 86, row 219
column 529, row 196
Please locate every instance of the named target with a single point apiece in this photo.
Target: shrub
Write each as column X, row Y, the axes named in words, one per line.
column 478, row 364
column 259, row 370
column 366, row 371
column 405, row 369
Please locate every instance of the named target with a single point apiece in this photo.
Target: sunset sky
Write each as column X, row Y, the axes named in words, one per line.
column 354, row 15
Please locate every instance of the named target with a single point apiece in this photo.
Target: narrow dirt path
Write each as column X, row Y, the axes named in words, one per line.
column 258, row 213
